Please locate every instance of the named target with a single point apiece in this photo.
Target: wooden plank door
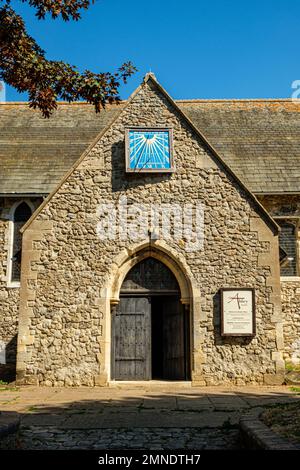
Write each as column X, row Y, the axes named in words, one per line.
column 131, row 339
column 174, row 365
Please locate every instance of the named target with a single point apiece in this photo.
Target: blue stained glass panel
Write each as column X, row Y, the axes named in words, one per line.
column 149, row 150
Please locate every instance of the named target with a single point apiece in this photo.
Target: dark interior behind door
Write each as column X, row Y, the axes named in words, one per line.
column 169, row 339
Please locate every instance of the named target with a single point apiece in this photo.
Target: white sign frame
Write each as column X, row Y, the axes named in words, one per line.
column 238, row 312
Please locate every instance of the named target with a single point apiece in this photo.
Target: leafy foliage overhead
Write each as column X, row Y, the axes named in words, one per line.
column 24, row 66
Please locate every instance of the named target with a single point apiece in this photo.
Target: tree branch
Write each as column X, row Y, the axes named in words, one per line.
column 23, row 65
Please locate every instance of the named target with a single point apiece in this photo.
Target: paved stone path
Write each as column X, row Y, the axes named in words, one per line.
column 152, row 416
column 36, row 438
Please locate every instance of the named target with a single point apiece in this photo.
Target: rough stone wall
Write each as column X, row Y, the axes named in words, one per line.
column 290, row 294
column 286, row 210
column 9, row 297
column 64, row 323
column 288, row 207
column 9, row 301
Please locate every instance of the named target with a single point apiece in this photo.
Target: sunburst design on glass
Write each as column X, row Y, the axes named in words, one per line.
column 149, row 150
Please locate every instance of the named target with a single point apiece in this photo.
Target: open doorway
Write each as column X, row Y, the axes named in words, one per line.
column 169, row 339
column 150, row 327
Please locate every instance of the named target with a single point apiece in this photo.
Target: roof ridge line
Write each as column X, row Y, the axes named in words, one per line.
column 214, row 100
column 78, row 103
column 185, row 100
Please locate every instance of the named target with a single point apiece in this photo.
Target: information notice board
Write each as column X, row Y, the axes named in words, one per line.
column 237, row 312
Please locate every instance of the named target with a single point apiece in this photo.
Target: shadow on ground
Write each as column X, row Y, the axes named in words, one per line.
column 113, row 418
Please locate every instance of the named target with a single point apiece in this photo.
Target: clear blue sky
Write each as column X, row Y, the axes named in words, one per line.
column 197, row 49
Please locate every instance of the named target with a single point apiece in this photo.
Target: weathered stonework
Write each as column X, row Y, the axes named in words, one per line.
column 290, row 292
column 287, row 207
column 9, row 301
column 69, row 275
column 9, row 297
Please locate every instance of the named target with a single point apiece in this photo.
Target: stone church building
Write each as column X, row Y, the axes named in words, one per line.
column 97, row 284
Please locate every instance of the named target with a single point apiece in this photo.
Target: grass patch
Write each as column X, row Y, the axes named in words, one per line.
column 295, row 389
column 8, row 389
column 289, row 367
column 285, row 421
column 5, row 387
column 33, row 409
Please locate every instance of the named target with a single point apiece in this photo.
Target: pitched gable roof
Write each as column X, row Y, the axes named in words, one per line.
column 150, row 77
column 35, row 153
column 258, row 139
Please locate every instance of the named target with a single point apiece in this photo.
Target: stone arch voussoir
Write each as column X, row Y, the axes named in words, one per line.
column 159, row 250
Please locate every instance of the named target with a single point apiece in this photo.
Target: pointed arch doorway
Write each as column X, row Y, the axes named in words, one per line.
column 150, row 326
